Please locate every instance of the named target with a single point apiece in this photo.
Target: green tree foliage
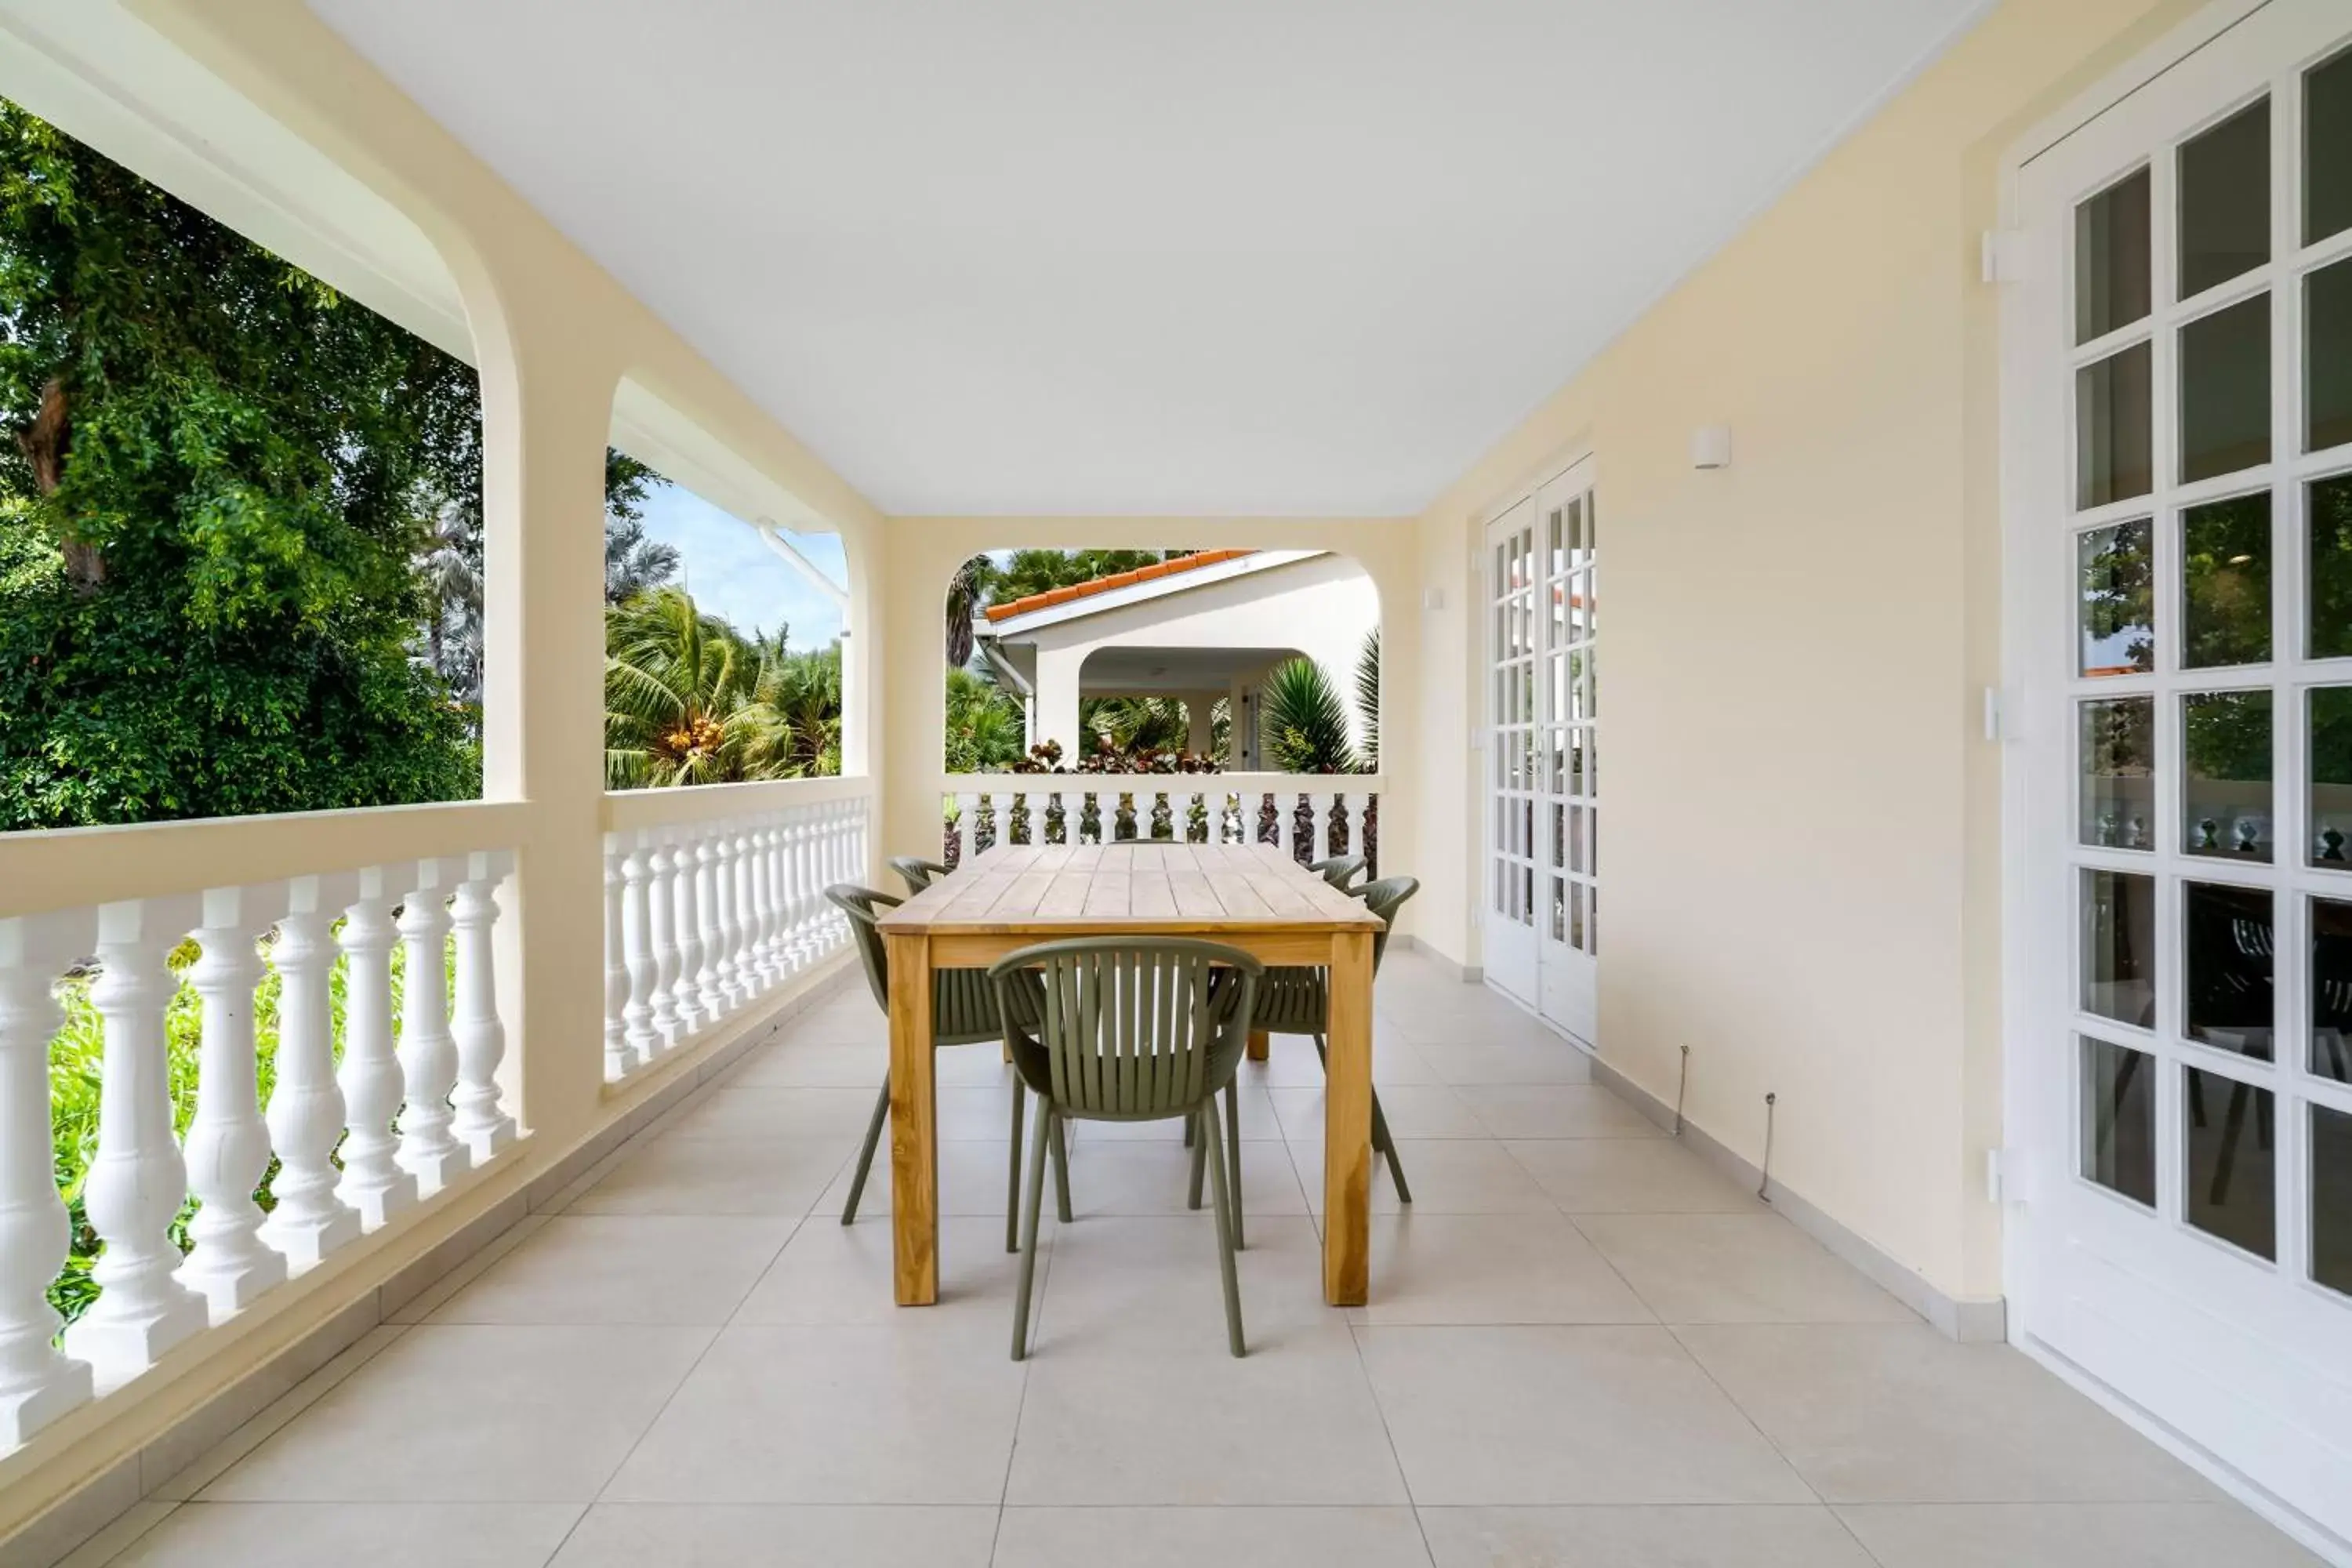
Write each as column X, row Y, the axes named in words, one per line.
column 1303, row 721
column 983, row 724
column 221, row 478
column 688, row 700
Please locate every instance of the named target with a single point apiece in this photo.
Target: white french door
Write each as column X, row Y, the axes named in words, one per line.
column 2178, row 425
column 1542, row 883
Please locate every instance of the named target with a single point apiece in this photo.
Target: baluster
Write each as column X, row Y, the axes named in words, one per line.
column 748, row 978
column 37, row 1383
column 1372, row 836
column 616, row 970
column 372, row 1182
column 730, row 926
column 705, row 919
column 1318, row 832
column 1269, row 820
column 306, row 1107
column 687, row 906
column 1342, row 843
column 428, row 1052
column 637, row 957
column 660, row 885
column 763, row 905
column 821, row 848
column 797, row 887
column 228, row 1145
column 137, row 1178
column 480, row 1122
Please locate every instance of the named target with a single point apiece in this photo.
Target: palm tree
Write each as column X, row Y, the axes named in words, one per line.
column 1304, row 723
column 983, row 725
column 796, row 710
column 966, row 589
column 1368, row 698
column 635, row 564
column 680, row 697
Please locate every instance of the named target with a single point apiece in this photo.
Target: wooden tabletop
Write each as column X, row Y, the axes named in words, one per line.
column 1073, row 890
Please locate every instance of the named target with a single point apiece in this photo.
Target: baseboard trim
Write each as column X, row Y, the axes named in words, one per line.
column 1467, row 974
column 144, row 1480
column 1970, row 1321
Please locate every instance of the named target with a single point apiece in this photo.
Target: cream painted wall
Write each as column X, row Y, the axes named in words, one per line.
column 1801, row 817
column 920, row 554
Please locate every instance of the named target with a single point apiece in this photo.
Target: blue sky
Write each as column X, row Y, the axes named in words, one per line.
column 731, row 573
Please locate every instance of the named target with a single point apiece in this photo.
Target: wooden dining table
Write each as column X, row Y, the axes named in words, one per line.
column 1249, row 896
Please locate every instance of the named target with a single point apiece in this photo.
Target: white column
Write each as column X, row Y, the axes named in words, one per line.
column 808, row 889
column 372, row 1181
column 637, row 956
column 660, row 888
column 480, row 1122
column 748, row 978
column 306, row 1107
column 686, row 906
column 616, row 970
column 730, row 923
column 137, row 1179
column 771, row 900
column 37, row 1384
column 706, row 915
column 838, row 870
column 1200, row 728
column 228, row 1148
column 428, row 1052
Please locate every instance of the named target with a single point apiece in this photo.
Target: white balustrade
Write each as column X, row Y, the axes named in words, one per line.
column 430, row 1148
column 306, row 1107
column 478, row 1119
column 38, row 1382
column 373, row 1182
column 137, row 1178
column 1341, row 810
column 718, row 913
column 228, row 1147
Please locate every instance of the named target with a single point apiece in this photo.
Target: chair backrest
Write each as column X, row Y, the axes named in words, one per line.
column 1384, row 898
column 1128, row 1026
column 1339, row 869
column 916, row 872
column 864, row 906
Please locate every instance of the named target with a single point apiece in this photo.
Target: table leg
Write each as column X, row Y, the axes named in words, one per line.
column 1261, row 1045
column 914, row 1125
column 1347, row 1125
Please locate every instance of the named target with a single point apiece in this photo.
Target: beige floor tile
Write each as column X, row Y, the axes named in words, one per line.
column 1125, row 1283
column 1227, row 1537
column 1491, row 1268
column 702, row 1177
column 854, row 1415
column 796, row 1061
column 684, row 1535
column 1448, row 1176
column 2066, row 1535
column 1291, row 1062
column 1736, row 1269
column 974, row 1177
column 1554, row 1110
column 1784, row 1537
column 623, row 1268
column 1630, row 1175
column 1895, row 1413
column 1557, row 1416
column 353, row 1535
column 1413, row 1111
column 835, row 1113
column 475, row 1414
column 1138, row 1423
column 1155, row 1178
column 839, row 1274
column 1473, row 1062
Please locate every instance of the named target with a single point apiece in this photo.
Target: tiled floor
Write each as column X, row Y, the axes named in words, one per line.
column 1584, row 1349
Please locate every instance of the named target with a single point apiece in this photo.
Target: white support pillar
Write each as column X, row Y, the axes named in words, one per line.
column 38, row 1382
column 228, row 1148
column 306, row 1105
column 478, row 1120
column 429, row 1149
column 1200, row 727
column 372, row 1182
column 1057, row 703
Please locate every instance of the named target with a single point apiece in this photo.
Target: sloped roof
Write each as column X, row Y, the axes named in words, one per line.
column 1092, row 585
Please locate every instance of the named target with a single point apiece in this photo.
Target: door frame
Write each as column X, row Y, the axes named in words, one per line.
column 2035, row 710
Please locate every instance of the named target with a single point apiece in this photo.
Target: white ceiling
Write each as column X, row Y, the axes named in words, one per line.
column 1202, row 257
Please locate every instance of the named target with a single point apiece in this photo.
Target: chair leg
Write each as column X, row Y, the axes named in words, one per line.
column 1012, row 1182
column 1226, row 1219
column 1200, row 1158
column 1383, row 1140
column 865, row 1155
column 1233, row 1155
column 1061, row 1170
column 1039, row 1143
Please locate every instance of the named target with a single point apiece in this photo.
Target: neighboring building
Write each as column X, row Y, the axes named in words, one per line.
column 1198, row 627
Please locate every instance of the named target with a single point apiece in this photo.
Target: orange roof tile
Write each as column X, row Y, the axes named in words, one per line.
column 1094, row 585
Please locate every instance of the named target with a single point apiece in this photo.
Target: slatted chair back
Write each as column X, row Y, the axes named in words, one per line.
column 1127, row 1028
column 916, row 872
column 864, row 906
column 1339, row 869
column 1384, row 898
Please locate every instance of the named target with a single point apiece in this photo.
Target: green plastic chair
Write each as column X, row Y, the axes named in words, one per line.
column 1338, row 870
column 1128, row 1029
column 964, row 1012
column 1297, row 1000
column 916, row 872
